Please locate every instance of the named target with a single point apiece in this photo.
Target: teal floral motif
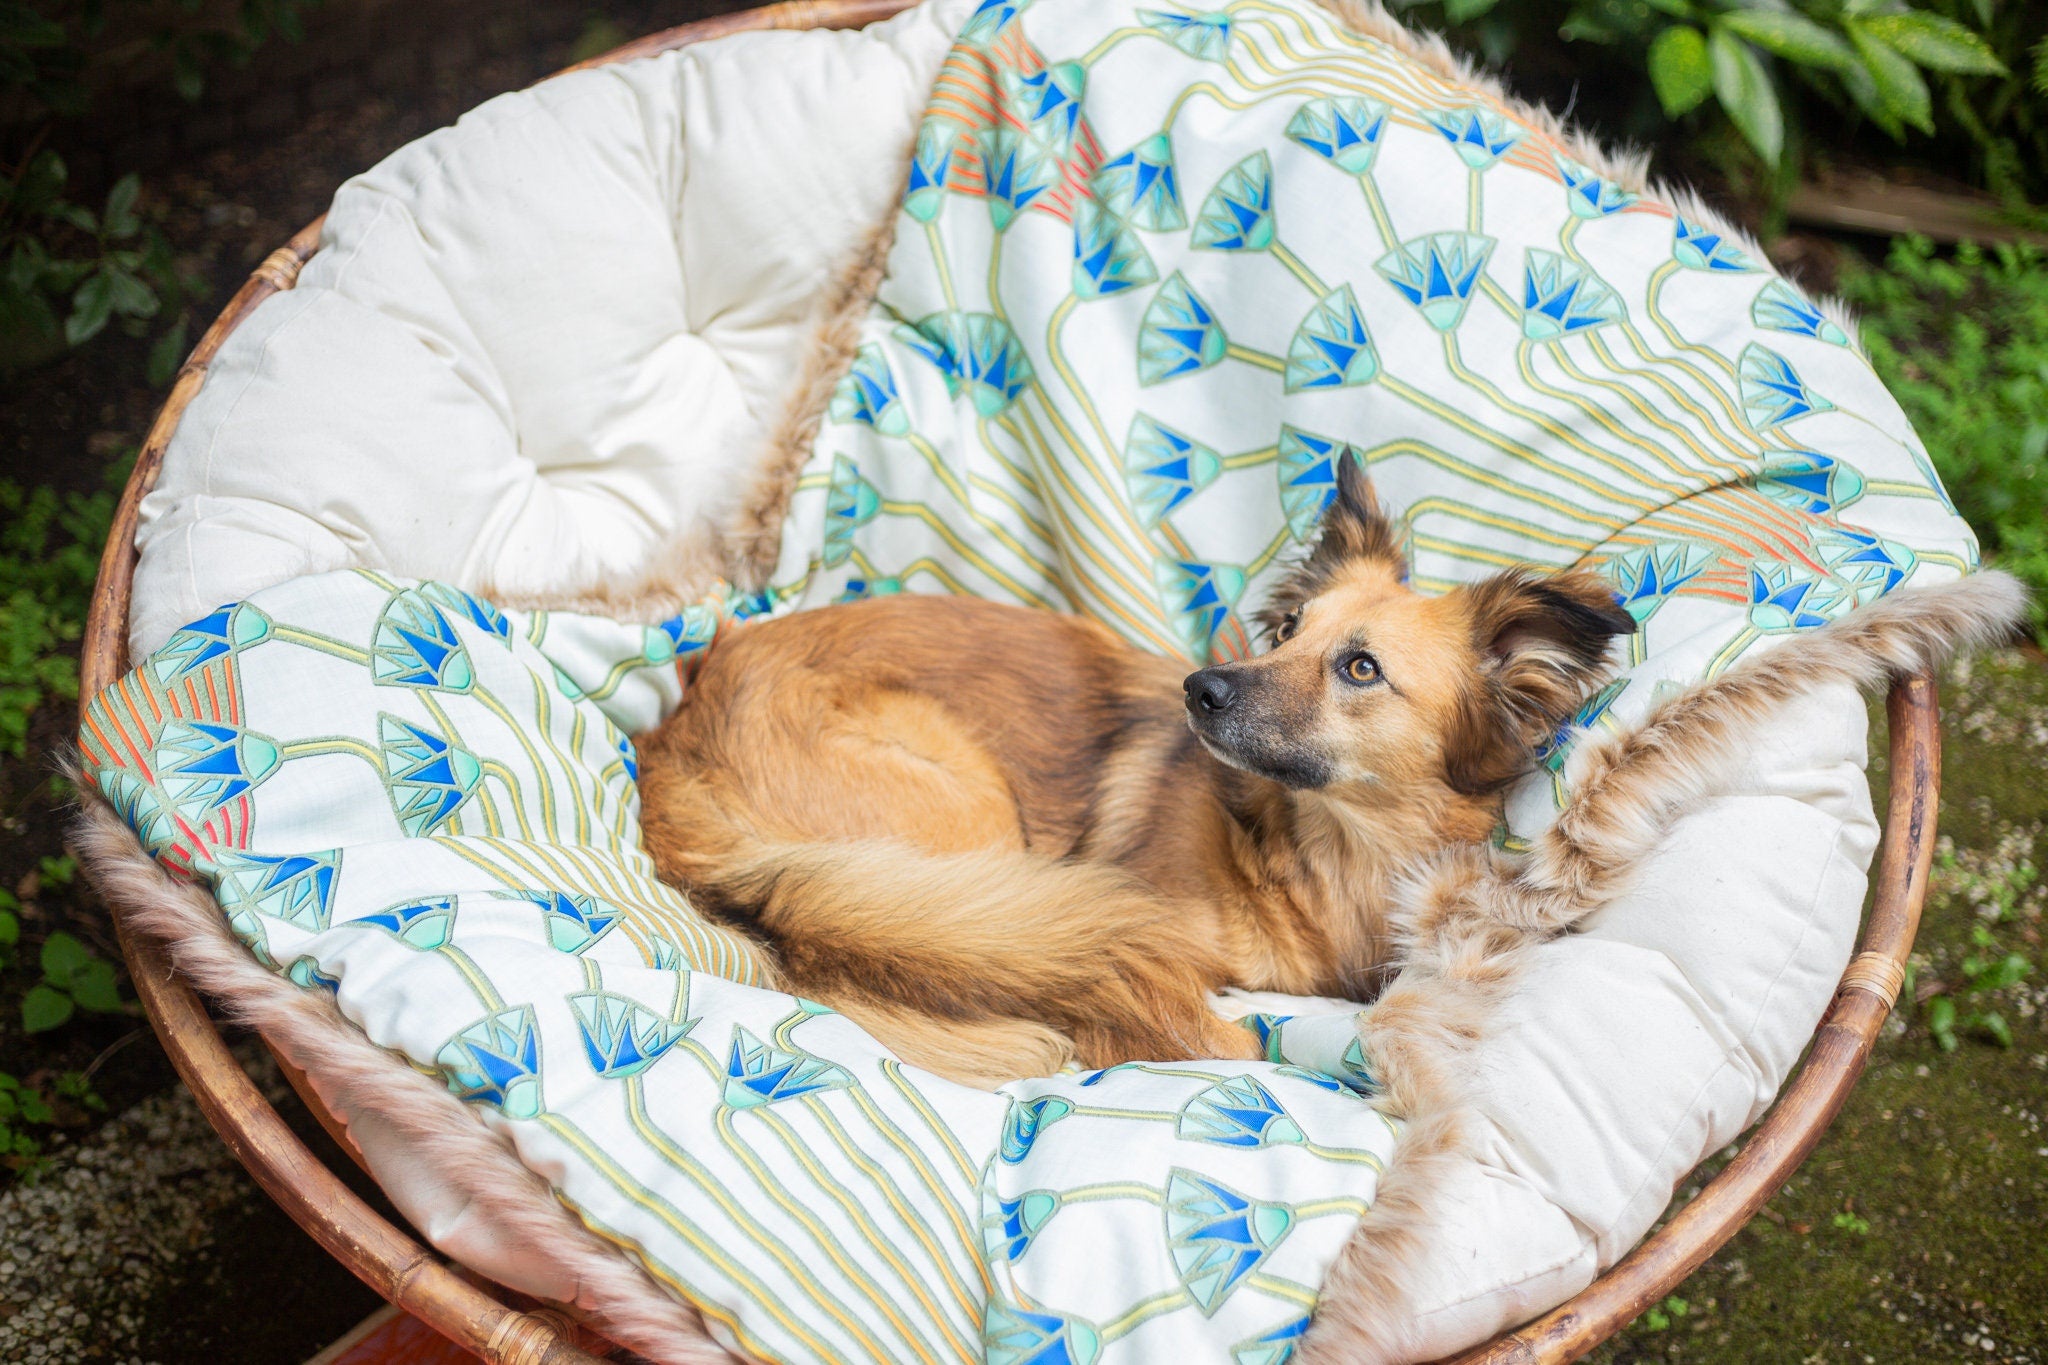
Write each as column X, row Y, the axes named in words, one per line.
column 857, row 588
column 1343, row 130
column 428, row 775
column 1357, row 1073
column 140, row 806
column 1180, row 335
column 1782, row 598
column 1164, row 468
column 1332, row 349
column 1700, row 248
column 976, row 352
column 202, row 765
column 1438, row 273
column 1217, row 1236
column 688, row 631
column 1555, row 751
column 1199, row 596
column 1237, row 1111
column 573, row 923
column 1141, row 186
column 989, row 19
column 1108, row 257
column 423, row 924
column 1772, row 391
column 622, row 1037
column 1238, row 214
column 471, row 608
column 297, row 888
column 415, row 646
column 1562, row 298
column 219, row 633
column 1645, row 579
column 1011, row 1335
column 1588, row 195
column 851, row 502
column 866, row 394
column 931, row 166
column 1267, row 1027
column 305, row 973
column 1024, row 1123
column 1202, row 36
column 1274, row 1347
column 1781, row 308
column 1480, row 135
column 1808, row 481
column 496, row 1061
column 1308, row 477
column 1015, row 170
column 758, row 1073
column 1007, row 1230
column 1870, row 565
column 1048, row 100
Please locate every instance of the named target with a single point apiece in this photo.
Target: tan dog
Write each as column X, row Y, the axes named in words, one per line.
column 1001, row 839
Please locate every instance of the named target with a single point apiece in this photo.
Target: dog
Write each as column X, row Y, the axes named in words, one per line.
column 1001, row 839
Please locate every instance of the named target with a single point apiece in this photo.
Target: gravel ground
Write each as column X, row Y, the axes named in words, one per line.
column 130, row 1212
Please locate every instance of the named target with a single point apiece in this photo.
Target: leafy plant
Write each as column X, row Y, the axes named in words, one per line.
column 69, row 271
column 1661, row 1316
column 1951, row 1014
column 1962, row 342
column 1758, row 60
column 24, row 1106
column 74, row 978
column 48, row 558
column 1852, row 1223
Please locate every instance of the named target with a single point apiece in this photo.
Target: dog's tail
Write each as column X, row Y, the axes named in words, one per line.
column 951, row 957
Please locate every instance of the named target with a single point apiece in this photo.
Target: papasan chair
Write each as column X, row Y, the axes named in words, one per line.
column 1068, row 303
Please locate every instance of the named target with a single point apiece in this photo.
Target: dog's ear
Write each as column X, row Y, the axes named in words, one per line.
column 1542, row 642
column 1354, row 528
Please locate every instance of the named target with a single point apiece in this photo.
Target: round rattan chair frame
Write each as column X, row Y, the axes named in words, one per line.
column 508, row 1329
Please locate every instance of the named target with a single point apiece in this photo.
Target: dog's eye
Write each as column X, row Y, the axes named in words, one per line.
column 1289, row 623
column 1362, row 669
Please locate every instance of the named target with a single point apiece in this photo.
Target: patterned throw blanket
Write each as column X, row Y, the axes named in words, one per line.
column 1157, row 270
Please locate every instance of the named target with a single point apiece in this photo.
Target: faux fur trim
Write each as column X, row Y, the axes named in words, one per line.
column 681, row 573
column 1464, row 924
column 614, row 1293
column 754, row 537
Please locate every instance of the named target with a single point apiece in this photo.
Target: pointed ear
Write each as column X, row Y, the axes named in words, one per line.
column 1354, row 527
column 1542, row 641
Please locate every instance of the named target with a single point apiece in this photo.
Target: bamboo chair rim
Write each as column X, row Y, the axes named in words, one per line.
column 505, row 1328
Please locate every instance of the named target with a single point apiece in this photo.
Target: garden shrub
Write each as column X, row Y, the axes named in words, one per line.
column 1962, row 340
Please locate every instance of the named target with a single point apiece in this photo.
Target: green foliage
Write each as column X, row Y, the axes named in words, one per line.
column 74, row 978
column 26, row 1106
column 1661, row 1316
column 68, row 271
column 1962, row 341
column 1852, row 1224
column 1966, row 1010
column 48, row 557
column 1761, row 60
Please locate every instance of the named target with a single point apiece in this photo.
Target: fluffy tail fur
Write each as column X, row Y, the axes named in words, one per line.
column 949, row 957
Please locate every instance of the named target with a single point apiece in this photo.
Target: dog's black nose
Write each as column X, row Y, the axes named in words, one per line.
column 1210, row 690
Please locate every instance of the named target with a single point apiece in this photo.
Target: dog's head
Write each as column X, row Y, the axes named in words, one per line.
column 1370, row 682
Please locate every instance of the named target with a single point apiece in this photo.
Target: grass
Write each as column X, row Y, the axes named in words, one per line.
column 1962, row 340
